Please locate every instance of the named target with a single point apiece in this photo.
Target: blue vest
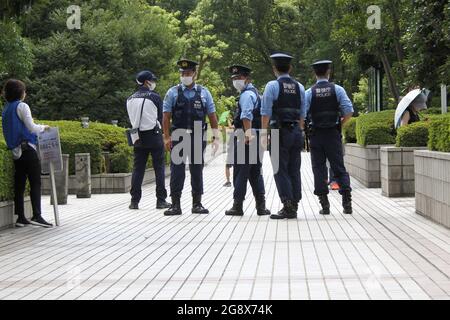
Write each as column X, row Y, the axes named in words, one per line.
column 14, row 130
column 287, row 108
column 324, row 110
column 256, row 123
column 188, row 111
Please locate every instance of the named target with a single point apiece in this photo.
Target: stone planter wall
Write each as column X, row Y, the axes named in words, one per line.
column 7, row 217
column 432, row 174
column 363, row 164
column 105, row 183
column 397, row 171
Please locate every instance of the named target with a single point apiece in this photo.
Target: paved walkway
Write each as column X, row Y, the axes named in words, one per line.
column 105, row 251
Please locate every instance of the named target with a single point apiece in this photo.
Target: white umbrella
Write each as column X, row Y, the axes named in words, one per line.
column 416, row 97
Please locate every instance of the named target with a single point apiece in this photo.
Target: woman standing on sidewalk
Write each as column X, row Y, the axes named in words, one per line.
column 20, row 133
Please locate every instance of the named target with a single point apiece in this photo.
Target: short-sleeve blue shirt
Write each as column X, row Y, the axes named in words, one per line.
column 345, row 104
column 172, row 95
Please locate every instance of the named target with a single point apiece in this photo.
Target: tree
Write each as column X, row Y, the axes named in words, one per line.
column 90, row 72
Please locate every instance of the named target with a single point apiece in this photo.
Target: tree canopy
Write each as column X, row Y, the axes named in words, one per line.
column 90, row 72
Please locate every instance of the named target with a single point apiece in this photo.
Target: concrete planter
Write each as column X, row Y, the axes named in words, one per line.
column 363, row 164
column 432, row 174
column 7, row 217
column 105, row 183
column 397, row 171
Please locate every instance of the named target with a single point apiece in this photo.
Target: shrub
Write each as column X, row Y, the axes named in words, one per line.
column 74, row 142
column 376, row 128
column 413, row 135
column 122, row 159
column 439, row 138
column 349, row 131
column 6, row 172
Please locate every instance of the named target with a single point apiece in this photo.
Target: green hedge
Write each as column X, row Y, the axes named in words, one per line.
column 74, row 142
column 439, row 139
column 413, row 135
column 349, row 131
column 6, row 172
column 376, row 128
column 122, row 159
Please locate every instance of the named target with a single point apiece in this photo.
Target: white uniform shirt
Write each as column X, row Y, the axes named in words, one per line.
column 149, row 114
column 24, row 114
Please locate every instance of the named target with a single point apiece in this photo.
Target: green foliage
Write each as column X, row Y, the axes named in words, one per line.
column 73, row 142
column 413, row 135
column 122, row 159
column 376, row 128
column 6, row 172
column 361, row 98
column 440, row 134
column 349, row 131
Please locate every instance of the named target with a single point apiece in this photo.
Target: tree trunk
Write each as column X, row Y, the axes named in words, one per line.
column 390, row 77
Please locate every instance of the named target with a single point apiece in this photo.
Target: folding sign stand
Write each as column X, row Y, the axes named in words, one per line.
column 54, row 196
column 51, row 161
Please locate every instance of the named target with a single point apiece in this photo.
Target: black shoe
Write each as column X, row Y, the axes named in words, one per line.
column 288, row 212
column 175, row 208
column 39, row 221
column 22, row 222
column 236, row 211
column 227, row 185
column 261, row 209
column 347, row 202
column 162, row 204
column 197, row 207
column 134, row 206
column 325, row 203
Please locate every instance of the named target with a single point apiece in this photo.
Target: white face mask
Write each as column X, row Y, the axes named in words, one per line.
column 152, row 86
column 187, row 81
column 239, row 85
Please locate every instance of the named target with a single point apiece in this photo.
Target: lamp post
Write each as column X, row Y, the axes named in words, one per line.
column 444, row 102
column 85, row 122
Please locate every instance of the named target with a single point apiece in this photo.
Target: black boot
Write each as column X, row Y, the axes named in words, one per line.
column 261, row 209
column 347, row 202
column 288, row 212
column 175, row 209
column 197, row 207
column 325, row 205
column 236, row 210
column 162, row 204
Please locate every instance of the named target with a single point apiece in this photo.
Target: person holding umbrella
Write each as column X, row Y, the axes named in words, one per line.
column 409, row 108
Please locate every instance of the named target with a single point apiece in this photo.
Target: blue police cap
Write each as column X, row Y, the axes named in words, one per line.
column 238, row 70
column 281, row 58
column 186, row 64
column 145, row 76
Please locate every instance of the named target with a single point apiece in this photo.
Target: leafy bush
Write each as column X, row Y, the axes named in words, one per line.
column 122, row 159
column 73, row 142
column 349, row 130
column 439, row 139
column 376, row 128
column 6, row 172
column 413, row 135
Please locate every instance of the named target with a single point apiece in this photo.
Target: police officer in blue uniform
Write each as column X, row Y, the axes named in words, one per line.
column 328, row 108
column 186, row 107
column 283, row 108
column 145, row 112
column 247, row 123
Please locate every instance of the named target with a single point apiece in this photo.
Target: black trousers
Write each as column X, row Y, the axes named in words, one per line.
column 327, row 144
column 151, row 144
column 27, row 167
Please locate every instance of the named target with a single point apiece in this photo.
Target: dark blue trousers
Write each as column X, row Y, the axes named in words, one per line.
column 178, row 171
column 288, row 178
column 152, row 145
column 249, row 171
column 327, row 144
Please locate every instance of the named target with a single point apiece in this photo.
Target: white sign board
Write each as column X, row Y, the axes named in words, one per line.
column 50, row 150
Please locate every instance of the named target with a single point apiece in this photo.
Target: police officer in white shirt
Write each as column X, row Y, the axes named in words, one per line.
column 145, row 113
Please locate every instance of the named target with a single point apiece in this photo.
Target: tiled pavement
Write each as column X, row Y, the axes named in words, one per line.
column 105, row 251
